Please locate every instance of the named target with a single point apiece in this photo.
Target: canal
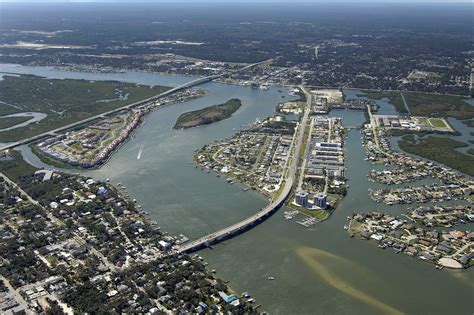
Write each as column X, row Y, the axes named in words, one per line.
column 316, row 271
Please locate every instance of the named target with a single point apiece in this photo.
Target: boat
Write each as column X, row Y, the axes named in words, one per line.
column 271, row 278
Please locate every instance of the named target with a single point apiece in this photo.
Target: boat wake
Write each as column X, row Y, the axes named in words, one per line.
column 140, row 152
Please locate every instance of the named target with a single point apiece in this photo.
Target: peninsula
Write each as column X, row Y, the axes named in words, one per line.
column 207, row 115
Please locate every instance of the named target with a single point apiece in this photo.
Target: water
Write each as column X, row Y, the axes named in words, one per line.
column 35, row 117
column 316, row 272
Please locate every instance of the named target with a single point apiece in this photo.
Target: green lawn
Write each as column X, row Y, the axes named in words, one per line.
column 317, row 214
column 441, row 150
column 65, row 101
column 7, row 122
column 436, row 122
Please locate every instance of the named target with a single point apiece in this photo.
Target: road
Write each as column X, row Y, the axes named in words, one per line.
column 20, row 300
column 274, row 204
column 308, row 143
column 405, row 102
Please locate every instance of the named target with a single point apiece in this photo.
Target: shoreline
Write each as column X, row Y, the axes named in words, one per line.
column 45, row 158
column 117, row 71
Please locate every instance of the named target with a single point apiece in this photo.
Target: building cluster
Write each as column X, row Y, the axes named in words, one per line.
column 409, row 169
column 263, row 76
column 326, row 148
column 92, row 145
column 412, row 123
column 442, row 215
column 355, row 105
column 80, row 246
column 421, row 194
column 454, row 185
column 453, row 249
column 292, row 107
column 318, row 200
column 253, row 157
column 323, row 165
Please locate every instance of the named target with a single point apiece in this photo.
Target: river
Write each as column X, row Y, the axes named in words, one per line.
column 316, row 271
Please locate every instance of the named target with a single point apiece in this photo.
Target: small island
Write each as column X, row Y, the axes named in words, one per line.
column 207, row 115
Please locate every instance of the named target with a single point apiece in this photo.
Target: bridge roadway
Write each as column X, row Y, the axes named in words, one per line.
column 90, row 119
column 239, row 227
column 272, row 207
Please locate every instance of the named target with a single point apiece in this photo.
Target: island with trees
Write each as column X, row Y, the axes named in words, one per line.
column 207, row 115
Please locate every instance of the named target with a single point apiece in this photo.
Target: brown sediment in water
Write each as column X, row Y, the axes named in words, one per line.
column 312, row 258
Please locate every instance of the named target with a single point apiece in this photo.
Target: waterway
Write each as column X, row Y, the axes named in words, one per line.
column 316, row 271
column 35, row 117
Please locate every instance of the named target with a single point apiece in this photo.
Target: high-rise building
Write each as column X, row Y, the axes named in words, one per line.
column 321, row 200
column 302, row 198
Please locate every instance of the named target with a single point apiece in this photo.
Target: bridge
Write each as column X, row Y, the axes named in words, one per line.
column 240, row 227
column 54, row 132
column 266, row 212
column 183, row 86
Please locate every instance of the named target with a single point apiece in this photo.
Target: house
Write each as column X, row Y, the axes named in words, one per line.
column 227, row 298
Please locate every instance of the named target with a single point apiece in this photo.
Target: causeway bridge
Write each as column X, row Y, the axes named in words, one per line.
column 274, row 204
column 54, row 132
column 240, row 227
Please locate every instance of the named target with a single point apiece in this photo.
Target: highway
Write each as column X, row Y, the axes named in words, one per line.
column 90, row 119
column 274, row 204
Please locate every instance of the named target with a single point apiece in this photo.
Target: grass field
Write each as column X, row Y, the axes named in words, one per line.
column 436, row 122
column 320, row 215
column 7, row 122
column 65, row 101
column 441, row 150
